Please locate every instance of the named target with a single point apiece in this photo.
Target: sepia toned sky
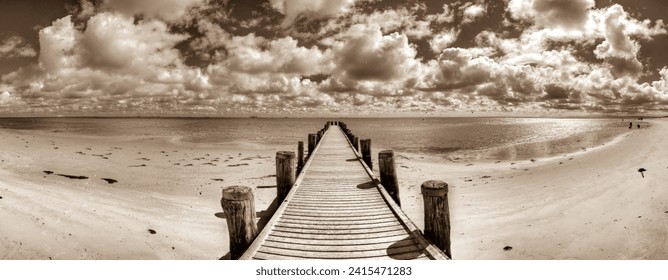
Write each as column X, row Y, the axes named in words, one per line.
column 333, row 57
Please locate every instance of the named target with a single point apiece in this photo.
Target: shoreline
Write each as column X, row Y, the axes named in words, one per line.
column 590, row 204
column 543, row 209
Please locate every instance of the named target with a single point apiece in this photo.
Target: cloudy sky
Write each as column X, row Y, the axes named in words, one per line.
column 333, row 57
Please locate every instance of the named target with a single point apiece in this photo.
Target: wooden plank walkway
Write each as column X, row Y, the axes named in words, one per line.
column 337, row 210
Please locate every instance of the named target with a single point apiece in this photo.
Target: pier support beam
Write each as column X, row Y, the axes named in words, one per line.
column 285, row 174
column 356, row 143
column 366, row 152
column 300, row 156
column 437, row 214
column 388, row 174
column 311, row 144
column 239, row 207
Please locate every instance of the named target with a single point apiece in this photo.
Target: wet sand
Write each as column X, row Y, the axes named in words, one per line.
column 151, row 198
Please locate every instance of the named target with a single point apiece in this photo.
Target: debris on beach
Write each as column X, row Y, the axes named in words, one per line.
column 533, row 160
column 507, row 248
column 218, row 179
column 109, row 180
column 235, row 165
column 48, row 172
column 73, row 177
column 642, row 172
column 151, row 231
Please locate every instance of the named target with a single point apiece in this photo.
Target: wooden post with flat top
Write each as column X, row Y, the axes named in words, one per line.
column 300, row 156
column 437, row 214
column 239, row 207
column 388, row 174
column 366, row 152
column 285, row 174
column 311, row 144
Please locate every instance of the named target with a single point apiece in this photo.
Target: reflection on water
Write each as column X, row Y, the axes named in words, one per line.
column 453, row 138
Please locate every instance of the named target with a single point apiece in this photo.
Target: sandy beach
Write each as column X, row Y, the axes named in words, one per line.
column 73, row 197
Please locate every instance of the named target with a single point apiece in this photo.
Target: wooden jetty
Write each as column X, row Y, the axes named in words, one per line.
column 337, row 209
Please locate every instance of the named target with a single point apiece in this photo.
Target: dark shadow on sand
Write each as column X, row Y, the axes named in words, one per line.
column 226, row 256
column 367, row 185
column 404, row 249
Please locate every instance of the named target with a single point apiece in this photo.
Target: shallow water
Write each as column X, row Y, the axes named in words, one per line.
column 451, row 138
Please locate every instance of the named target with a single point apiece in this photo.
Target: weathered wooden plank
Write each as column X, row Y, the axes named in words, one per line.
column 308, row 236
column 341, row 225
column 339, row 212
column 339, row 231
column 341, row 247
column 350, row 215
column 330, row 242
column 324, row 219
column 337, row 208
column 337, row 222
column 398, row 251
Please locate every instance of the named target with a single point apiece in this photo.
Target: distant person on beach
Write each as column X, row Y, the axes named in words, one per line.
column 630, row 125
column 638, row 125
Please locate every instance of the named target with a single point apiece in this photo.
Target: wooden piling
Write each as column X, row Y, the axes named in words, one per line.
column 366, row 152
column 388, row 174
column 356, row 143
column 300, row 156
column 239, row 207
column 285, row 174
column 311, row 144
column 437, row 214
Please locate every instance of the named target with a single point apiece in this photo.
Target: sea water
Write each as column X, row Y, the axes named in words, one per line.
column 450, row 138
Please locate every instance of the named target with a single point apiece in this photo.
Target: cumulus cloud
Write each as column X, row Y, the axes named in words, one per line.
column 57, row 44
column 253, row 54
column 403, row 20
column 116, row 63
column 157, row 56
column 319, row 8
column 618, row 49
column 16, row 46
column 115, row 41
column 364, row 53
column 443, row 40
column 5, row 98
column 473, row 12
column 566, row 14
